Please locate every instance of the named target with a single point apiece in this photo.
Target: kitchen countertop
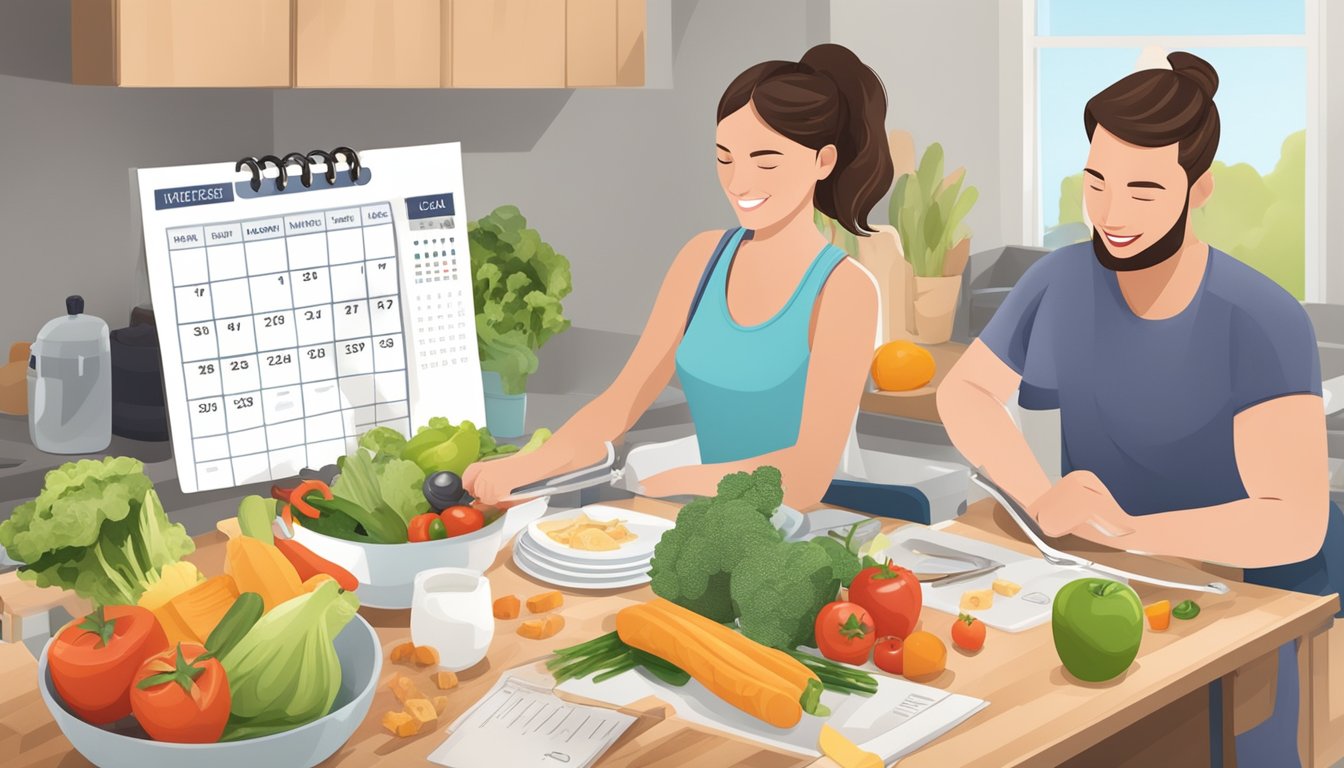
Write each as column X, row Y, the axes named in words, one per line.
column 1156, row 713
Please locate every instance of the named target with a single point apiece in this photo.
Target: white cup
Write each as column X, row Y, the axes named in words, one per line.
column 451, row 613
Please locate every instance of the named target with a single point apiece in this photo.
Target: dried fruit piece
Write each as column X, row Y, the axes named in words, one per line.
column 426, row 655
column 507, row 607
column 1006, row 588
column 531, row 629
column 546, row 601
column 401, row 724
column 440, row 704
column 404, row 689
column 423, row 711
column 552, row 625
column 445, row 680
column 402, row 652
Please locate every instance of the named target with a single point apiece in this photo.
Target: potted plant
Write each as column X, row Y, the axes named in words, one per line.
column 928, row 210
column 880, row 253
column 518, row 281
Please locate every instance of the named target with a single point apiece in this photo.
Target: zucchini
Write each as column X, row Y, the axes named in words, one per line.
column 237, row 622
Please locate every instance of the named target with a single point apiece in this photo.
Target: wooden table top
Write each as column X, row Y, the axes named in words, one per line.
column 919, row 403
column 1037, row 713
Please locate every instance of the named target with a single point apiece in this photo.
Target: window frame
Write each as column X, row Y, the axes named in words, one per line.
column 1031, row 230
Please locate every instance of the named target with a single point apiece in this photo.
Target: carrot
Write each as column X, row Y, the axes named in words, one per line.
column 772, row 659
column 309, row 564
column 545, row 601
column 727, row 672
column 507, row 607
column 1159, row 615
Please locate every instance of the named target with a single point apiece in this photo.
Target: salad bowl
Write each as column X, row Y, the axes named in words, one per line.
column 386, row 572
column 360, row 656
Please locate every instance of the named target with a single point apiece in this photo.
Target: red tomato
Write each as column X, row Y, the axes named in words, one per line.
column 179, row 697
column 418, row 530
column 462, row 519
column 845, row 633
column 93, row 660
column 888, row 655
column 968, row 633
column 892, row 596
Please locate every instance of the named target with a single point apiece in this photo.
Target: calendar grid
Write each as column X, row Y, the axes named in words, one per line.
column 291, row 353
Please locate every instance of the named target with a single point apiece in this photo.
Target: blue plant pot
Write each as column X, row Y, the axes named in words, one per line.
column 505, row 415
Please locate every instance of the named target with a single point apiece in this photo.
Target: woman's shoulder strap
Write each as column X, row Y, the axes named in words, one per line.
column 709, row 271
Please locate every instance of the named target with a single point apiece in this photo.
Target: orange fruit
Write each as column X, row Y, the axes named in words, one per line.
column 925, row 655
column 900, row 366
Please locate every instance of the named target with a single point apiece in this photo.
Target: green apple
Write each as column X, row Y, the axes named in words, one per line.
column 1097, row 624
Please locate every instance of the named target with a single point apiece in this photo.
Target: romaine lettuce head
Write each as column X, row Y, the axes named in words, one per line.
column 97, row 528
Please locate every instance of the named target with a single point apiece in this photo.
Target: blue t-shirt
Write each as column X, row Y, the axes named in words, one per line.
column 1147, row 405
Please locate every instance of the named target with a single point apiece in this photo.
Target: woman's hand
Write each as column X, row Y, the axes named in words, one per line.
column 1082, row 505
column 490, row 481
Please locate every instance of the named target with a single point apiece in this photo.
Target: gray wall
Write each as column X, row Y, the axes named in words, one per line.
column 66, row 211
column 938, row 61
column 616, row 179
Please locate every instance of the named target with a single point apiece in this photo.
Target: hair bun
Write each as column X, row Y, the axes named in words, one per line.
column 830, row 59
column 1196, row 69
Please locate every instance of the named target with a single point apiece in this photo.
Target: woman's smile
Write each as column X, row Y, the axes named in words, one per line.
column 748, row 203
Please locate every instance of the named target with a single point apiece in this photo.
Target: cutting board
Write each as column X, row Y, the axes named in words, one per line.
column 1029, row 608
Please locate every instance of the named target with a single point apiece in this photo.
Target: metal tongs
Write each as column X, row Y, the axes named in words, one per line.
column 1056, row 557
column 604, row 472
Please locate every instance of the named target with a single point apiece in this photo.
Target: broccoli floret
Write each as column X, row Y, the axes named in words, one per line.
column 763, row 489
column 777, row 592
column 692, row 562
column 844, row 563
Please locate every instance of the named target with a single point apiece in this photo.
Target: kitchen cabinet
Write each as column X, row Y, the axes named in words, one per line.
column 508, row 43
column 358, row 43
column 180, row 43
column 604, row 43
column 368, row 43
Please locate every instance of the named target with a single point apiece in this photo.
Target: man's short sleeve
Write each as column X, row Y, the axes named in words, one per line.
column 1273, row 352
column 1008, row 333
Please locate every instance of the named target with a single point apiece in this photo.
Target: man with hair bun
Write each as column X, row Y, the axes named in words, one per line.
column 1188, row 384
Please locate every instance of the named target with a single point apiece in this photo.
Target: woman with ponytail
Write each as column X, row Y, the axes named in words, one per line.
column 768, row 326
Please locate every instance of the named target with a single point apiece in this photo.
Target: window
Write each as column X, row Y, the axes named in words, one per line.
column 1266, row 207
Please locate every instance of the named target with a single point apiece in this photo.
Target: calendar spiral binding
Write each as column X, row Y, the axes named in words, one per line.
column 305, row 163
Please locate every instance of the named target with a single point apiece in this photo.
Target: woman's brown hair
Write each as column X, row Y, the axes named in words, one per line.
column 1160, row 107
column 827, row 97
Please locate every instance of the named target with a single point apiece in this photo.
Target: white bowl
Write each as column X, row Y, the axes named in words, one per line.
column 361, row 659
column 386, row 572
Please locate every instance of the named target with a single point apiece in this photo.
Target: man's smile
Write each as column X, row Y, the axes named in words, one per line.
column 1120, row 241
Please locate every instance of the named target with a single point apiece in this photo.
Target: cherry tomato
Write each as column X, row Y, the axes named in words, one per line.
column 892, row 596
column 460, row 519
column 180, row 697
column 845, row 633
column 968, row 633
column 418, row 530
column 94, row 660
column 888, row 655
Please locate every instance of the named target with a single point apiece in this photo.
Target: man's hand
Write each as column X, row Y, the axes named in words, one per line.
column 1082, row 505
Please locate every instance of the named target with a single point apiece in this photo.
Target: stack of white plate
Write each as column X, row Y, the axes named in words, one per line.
column 544, row 558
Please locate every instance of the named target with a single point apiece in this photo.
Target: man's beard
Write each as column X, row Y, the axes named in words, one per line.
column 1164, row 248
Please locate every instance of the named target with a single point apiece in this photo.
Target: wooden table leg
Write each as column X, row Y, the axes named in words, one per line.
column 1313, row 670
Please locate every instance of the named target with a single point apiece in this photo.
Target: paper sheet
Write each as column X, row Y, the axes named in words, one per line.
column 901, row 717
column 518, row 723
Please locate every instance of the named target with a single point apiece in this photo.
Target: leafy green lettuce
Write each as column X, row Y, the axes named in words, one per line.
column 374, row 484
column 518, row 281
column 96, row 528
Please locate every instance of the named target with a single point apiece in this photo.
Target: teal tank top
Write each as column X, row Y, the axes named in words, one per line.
column 744, row 384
